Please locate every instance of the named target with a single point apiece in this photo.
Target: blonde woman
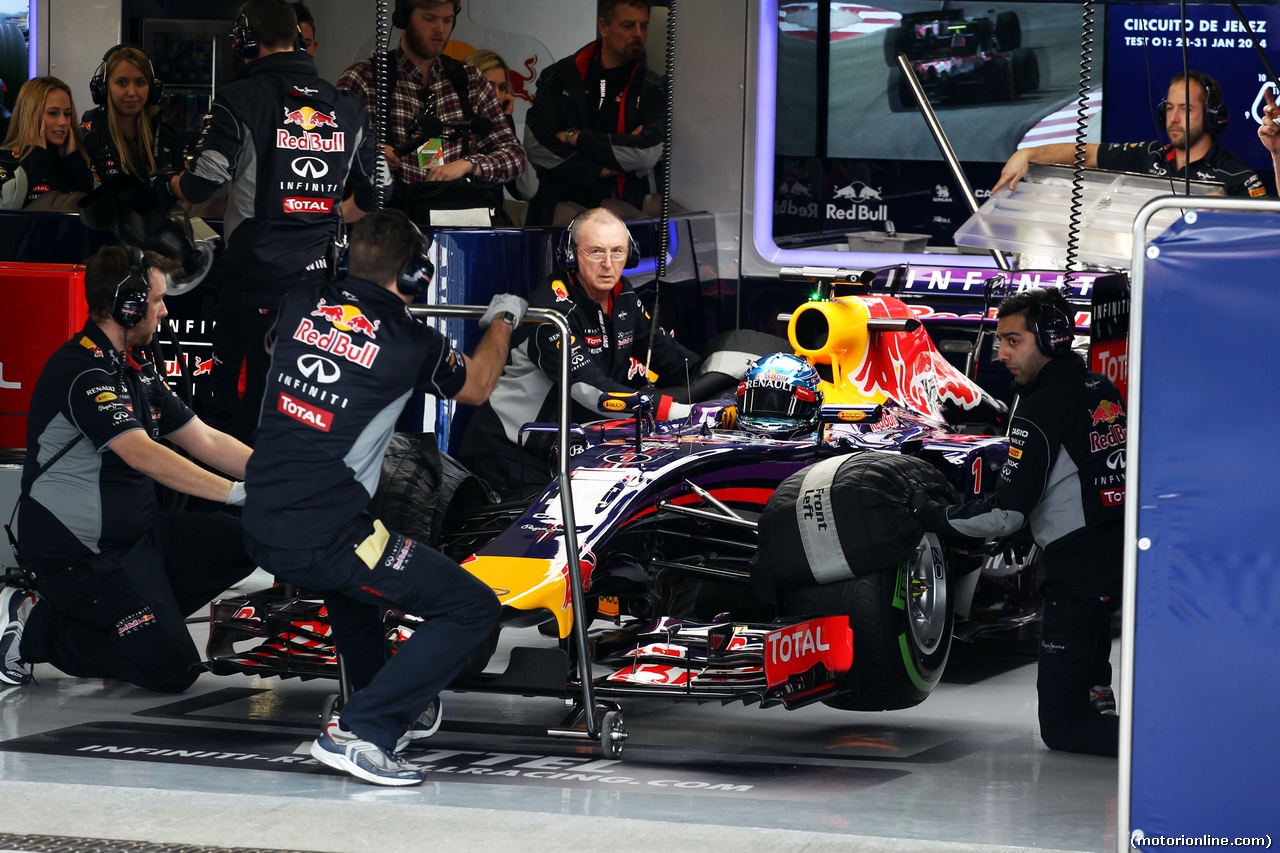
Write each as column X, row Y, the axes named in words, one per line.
column 495, row 71
column 123, row 135
column 43, row 151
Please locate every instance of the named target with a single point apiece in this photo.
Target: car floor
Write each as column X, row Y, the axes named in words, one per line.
column 226, row 765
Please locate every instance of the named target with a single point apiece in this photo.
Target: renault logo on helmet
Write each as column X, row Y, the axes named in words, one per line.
column 309, row 167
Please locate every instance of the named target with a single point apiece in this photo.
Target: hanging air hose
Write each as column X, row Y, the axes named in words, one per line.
column 664, row 220
column 1082, row 123
column 381, row 60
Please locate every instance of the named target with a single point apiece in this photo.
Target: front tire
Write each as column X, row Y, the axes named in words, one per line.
column 902, row 620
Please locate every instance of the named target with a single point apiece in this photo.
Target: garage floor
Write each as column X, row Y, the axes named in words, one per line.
column 225, row 764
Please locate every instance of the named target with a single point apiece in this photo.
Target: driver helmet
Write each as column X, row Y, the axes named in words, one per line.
column 779, row 397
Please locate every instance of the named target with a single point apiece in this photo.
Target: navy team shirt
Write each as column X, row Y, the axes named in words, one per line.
column 346, row 356
column 90, row 500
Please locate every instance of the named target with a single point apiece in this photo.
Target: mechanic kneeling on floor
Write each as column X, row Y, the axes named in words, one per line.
column 116, row 578
column 318, row 458
column 1065, row 479
column 609, row 330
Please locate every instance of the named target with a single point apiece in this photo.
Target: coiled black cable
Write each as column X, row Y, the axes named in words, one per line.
column 664, row 219
column 381, row 60
column 1082, row 121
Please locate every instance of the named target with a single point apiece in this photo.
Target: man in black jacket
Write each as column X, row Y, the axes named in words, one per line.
column 1065, row 479
column 609, row 330
column 287, row 142
column 596, row 126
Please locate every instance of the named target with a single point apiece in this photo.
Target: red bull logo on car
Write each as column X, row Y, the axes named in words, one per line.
column 309, row 119
column 1107, row 412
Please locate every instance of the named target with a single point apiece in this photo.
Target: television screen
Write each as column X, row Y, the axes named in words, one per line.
column 14, row 17
column 1144, row 52
column 852, row 152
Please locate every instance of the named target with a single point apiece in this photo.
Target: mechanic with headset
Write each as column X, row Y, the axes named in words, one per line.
column 115, row 578
column 1064, row 479
column 124, row 134
column 448, row 142
column 610, row 334
column 346, row 357
column 288, row 142
column 1192, row 134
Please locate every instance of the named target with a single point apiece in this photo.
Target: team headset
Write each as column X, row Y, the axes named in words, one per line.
column 99, row 89
column 1215, row 111
column 1054, row 333
column 129, row 306
column 244, row 41
column 567, row 251
column 414, row 275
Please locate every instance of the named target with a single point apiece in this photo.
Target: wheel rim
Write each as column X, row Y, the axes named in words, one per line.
column 927, row 595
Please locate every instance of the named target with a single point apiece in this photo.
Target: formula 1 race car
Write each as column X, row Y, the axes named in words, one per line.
column 961, row 60
column 721, row 558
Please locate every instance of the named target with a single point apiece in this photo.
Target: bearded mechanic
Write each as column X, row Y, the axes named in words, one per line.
column 1064, row 478
column 610, row 335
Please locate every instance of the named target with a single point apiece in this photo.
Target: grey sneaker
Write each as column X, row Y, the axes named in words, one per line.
column 343, row 750
column 427, row 724
column 15, row 607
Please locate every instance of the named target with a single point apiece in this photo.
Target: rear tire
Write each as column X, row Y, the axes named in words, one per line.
column 1008, row 31
column 901, row 98
column 902, row 620
column 896, row 40
column 1026, row 71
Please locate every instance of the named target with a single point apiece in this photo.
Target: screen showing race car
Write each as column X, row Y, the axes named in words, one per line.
column 14, row 60
column 1144, row 52
column 853, row 153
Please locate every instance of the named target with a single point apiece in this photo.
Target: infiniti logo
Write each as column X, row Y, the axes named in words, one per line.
column 310, row 167
column 317, row 368
column 1116, row 460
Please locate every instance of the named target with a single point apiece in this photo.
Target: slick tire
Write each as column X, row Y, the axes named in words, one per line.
column 1008, row 31
column 1026, row 71
column 901, row 98
column 896, row 40
column 902, row 620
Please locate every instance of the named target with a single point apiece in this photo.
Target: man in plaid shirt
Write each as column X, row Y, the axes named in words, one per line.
column 420, row 81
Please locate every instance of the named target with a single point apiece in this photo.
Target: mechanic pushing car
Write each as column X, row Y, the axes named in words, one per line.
column 1065, row 479
column 115, row 578
column 1193, row 135
column 609, row 330
column 320, row 445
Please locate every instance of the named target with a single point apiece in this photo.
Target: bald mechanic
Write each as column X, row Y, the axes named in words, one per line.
column 610, row 335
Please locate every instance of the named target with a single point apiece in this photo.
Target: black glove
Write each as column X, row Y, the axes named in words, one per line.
column 161, row 190
column 928, row 513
